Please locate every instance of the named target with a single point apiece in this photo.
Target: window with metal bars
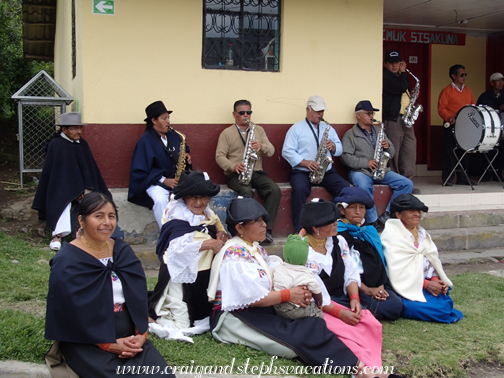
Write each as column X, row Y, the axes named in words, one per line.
column 241, row 35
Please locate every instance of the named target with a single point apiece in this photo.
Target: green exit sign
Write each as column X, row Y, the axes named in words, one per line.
column 104, row 7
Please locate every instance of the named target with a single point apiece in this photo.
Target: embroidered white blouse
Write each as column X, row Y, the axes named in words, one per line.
column 243, row 280
column 318, row 262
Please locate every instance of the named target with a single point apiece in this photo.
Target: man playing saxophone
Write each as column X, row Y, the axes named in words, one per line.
column 233, row 142
column 359, row 146
column 396, row 83
column 301, row 147
column 156, row 160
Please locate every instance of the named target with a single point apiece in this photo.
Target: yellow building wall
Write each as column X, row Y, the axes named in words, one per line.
column 151, row 50
column 472, row 56
column 63, row 52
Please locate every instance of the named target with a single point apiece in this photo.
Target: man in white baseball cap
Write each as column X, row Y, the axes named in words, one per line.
column 494, row 97
column 300, row 149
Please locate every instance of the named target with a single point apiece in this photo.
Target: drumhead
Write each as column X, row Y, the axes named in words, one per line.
column 469, row 127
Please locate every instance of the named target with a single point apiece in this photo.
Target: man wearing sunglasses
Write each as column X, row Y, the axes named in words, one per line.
column 452, row 98
column 229, row 156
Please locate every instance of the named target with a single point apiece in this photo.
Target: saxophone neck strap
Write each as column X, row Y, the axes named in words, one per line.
column 316, row 136
column 169, row 150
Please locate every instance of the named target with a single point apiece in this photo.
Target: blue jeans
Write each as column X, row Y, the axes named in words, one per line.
column 399, row 185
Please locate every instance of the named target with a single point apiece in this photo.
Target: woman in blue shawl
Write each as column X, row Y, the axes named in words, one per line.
column 366, row 248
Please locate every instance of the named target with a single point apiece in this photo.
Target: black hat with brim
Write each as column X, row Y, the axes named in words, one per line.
column 406, row 202
column 319, row 213
column 155, row 109
column 195, row 183
column 354, row 194
column 245, row 209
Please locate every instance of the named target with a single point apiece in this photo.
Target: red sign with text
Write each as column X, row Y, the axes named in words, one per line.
column 417, row 36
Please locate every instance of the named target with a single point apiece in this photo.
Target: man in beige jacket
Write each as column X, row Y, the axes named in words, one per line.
column 229, row 156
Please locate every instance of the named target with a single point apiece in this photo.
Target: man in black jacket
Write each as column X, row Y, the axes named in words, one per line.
column 395, row 84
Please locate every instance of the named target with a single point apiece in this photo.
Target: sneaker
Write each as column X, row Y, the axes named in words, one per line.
column 55, row 243
column 269, row 238
column 416, row 191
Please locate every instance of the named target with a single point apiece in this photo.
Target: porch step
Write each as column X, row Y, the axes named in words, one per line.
column 462, row 219
column 479, row 242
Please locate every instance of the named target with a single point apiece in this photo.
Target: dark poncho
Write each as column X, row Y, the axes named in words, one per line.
column 152, row 160
column 69, row 169
column 80, row 307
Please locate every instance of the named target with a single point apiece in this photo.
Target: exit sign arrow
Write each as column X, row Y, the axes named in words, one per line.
column 103, row 6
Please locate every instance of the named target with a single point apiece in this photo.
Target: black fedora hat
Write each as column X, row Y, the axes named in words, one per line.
column 195, row 183
column 245, row 209
column 319, row 213
column 155, row 110
column 406, row 201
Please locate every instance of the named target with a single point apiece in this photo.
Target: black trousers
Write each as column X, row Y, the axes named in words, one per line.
column 266, row 188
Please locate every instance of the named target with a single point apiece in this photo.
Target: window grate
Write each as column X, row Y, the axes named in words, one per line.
column 241, row 34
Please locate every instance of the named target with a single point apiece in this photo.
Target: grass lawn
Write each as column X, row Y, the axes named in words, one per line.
column 417, row 349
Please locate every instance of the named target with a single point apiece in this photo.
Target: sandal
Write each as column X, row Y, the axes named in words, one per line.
column 55, row 243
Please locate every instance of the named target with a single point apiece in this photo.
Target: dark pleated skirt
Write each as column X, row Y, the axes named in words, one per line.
column 308, row 337
column 88, row 360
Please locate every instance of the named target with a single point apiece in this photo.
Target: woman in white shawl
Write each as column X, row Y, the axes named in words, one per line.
column 413, row 266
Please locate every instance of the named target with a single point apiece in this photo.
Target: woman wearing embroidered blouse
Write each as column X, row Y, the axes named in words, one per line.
column 190, row 237
column 413, row 265
column 97, row 301
column 241, row 279
column 329, row 257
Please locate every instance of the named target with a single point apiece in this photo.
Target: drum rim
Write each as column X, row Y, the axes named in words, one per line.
column 478, row 108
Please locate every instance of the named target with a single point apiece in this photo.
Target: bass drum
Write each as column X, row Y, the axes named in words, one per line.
column 477, row 127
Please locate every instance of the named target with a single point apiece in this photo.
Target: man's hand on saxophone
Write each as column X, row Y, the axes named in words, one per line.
column 188, row 158
column 372, row 164
column 310, row 164
column 239, row 168
column 256, row 145
column 170, row 182
column 331, row 146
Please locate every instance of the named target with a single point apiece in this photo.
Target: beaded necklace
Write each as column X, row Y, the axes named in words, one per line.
column 317, row 244
column 99, row 251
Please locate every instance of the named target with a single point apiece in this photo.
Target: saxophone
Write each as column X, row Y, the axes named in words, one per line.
column 412, row 111
column 322, row 159
column 249, row 157
column 380, row 156
column 182, row 164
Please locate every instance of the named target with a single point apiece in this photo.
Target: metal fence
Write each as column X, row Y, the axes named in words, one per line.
column 41, row 101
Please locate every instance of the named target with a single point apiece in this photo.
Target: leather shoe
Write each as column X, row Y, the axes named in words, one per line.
column 416, row 191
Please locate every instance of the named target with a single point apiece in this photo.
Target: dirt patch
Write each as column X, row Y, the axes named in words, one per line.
column 35, row 307
column 472, row 267
column 494, row 370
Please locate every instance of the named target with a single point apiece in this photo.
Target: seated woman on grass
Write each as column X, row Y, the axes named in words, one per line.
column 243, row 297
column 97, row 301
column 366, row 249
column 413, row 264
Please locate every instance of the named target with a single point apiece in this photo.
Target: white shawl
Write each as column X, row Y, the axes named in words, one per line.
column 405, row 261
